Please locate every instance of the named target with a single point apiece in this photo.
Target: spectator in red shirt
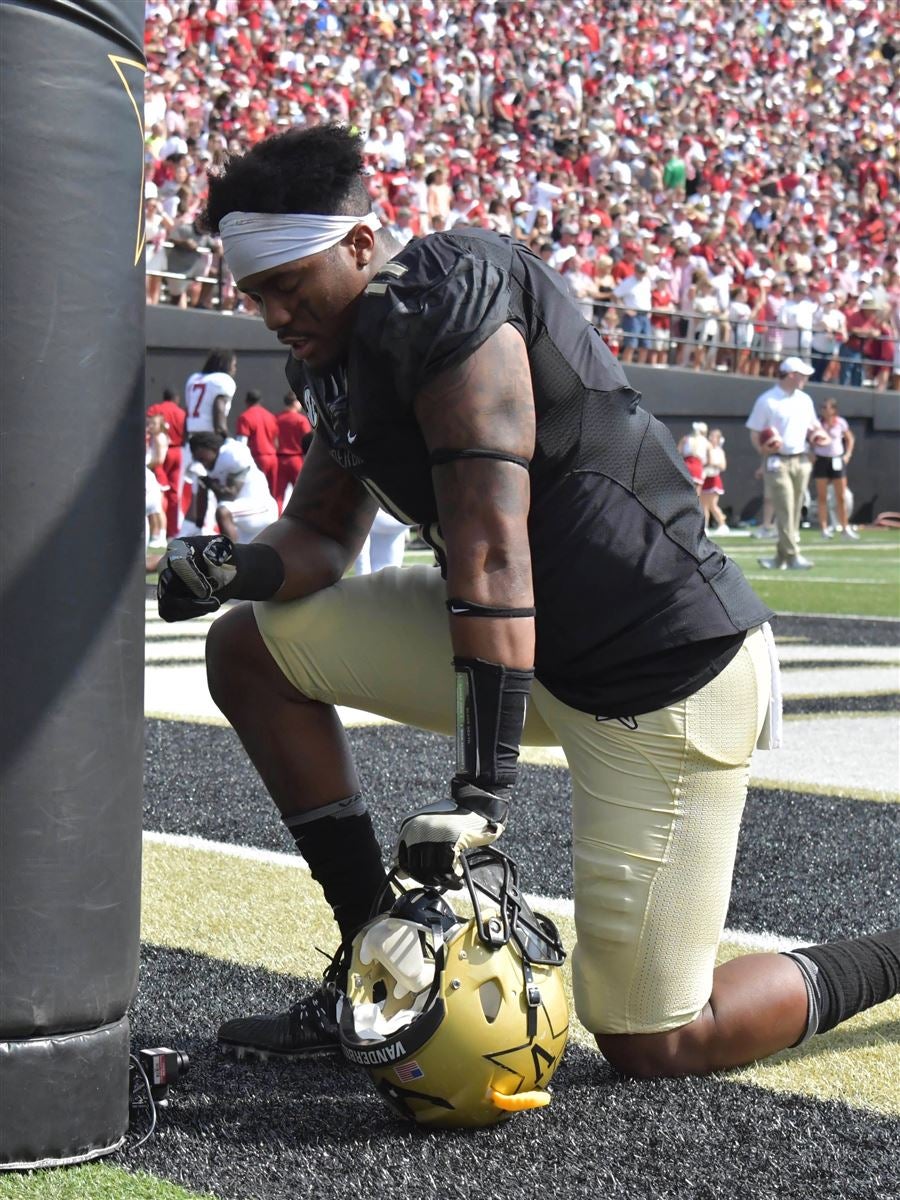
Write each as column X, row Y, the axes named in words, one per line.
column 294, row 436
column 259, row 429
column 626, row 264
column 173, row 416
column 661, row 320
column 862, row 325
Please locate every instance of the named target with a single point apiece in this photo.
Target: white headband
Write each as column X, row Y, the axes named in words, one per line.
column 256, row 241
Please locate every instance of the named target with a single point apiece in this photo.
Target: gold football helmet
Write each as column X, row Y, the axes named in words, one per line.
column 460, row 1020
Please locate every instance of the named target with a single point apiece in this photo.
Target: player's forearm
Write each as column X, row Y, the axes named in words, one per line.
column 496, row 638
column 220, row 417
column 484, row 518
column 510, row 642
column 226, row 524
column 323, row 527
column 493, row 659
column 490, row 573
column 312, row 561
column 197, row 509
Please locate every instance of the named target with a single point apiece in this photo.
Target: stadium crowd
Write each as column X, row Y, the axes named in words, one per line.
column 717, row 183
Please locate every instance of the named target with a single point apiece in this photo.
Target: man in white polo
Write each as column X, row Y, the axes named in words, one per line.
column 781, row 423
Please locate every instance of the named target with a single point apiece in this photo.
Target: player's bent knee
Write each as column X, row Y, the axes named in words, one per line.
column 230, row 647
column 239, row 667
column 666, row 1055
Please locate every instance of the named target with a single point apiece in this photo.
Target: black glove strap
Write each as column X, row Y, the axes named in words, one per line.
column 490, row 715
column 260, row 572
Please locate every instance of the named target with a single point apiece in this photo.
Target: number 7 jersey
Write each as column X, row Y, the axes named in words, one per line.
column 200, row 394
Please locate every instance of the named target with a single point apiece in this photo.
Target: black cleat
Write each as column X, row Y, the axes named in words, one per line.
column 308, row 1028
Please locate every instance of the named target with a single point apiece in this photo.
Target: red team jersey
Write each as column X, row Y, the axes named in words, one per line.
column 260, row 428
column 292, row 429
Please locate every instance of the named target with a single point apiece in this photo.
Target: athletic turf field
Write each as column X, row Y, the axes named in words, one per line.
column 231, row 920
column 849, row 577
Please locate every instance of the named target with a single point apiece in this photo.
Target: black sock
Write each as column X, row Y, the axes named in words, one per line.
column 845, row 978
column 339, row 844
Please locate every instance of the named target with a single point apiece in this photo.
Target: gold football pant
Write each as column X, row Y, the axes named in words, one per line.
column 656, row 808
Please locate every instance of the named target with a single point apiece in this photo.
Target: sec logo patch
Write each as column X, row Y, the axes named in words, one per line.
column 309, row 403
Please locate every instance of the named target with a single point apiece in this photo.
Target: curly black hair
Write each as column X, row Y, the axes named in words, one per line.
column 316, row 170
column 218, row 360
column 206, row 440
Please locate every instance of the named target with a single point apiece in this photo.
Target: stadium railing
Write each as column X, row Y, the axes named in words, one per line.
column 674, row 332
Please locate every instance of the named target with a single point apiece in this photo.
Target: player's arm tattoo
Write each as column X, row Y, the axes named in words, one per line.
column 485, row 404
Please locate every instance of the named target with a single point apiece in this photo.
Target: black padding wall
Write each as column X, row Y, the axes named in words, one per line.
column 71, row 556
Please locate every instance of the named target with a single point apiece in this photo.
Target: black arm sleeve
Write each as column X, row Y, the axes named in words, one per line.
column 259, row 572
column 490, row 714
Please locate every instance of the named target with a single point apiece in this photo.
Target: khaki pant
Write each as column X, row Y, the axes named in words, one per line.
column 786, row 487
column 656, row 809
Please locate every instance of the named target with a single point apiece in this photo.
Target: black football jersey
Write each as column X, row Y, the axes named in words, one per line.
column 636, row 608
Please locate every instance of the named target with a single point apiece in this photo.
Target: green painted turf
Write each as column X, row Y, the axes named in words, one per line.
column 860, row 578
column 95, row 1181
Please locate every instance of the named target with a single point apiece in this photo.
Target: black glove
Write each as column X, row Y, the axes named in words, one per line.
column 432, row 838
column 199, row 573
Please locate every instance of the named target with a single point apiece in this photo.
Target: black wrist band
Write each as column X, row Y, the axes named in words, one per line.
column 490, row 715
column 468, row 608
column 259, row 572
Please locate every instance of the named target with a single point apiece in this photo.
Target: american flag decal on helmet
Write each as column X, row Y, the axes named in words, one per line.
column 408, row 1071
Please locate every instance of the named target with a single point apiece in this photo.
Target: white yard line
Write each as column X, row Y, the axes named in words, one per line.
column 785, row 612
column 809, row 577
column 186, row 841
column 883, row 655
column 826, row 546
